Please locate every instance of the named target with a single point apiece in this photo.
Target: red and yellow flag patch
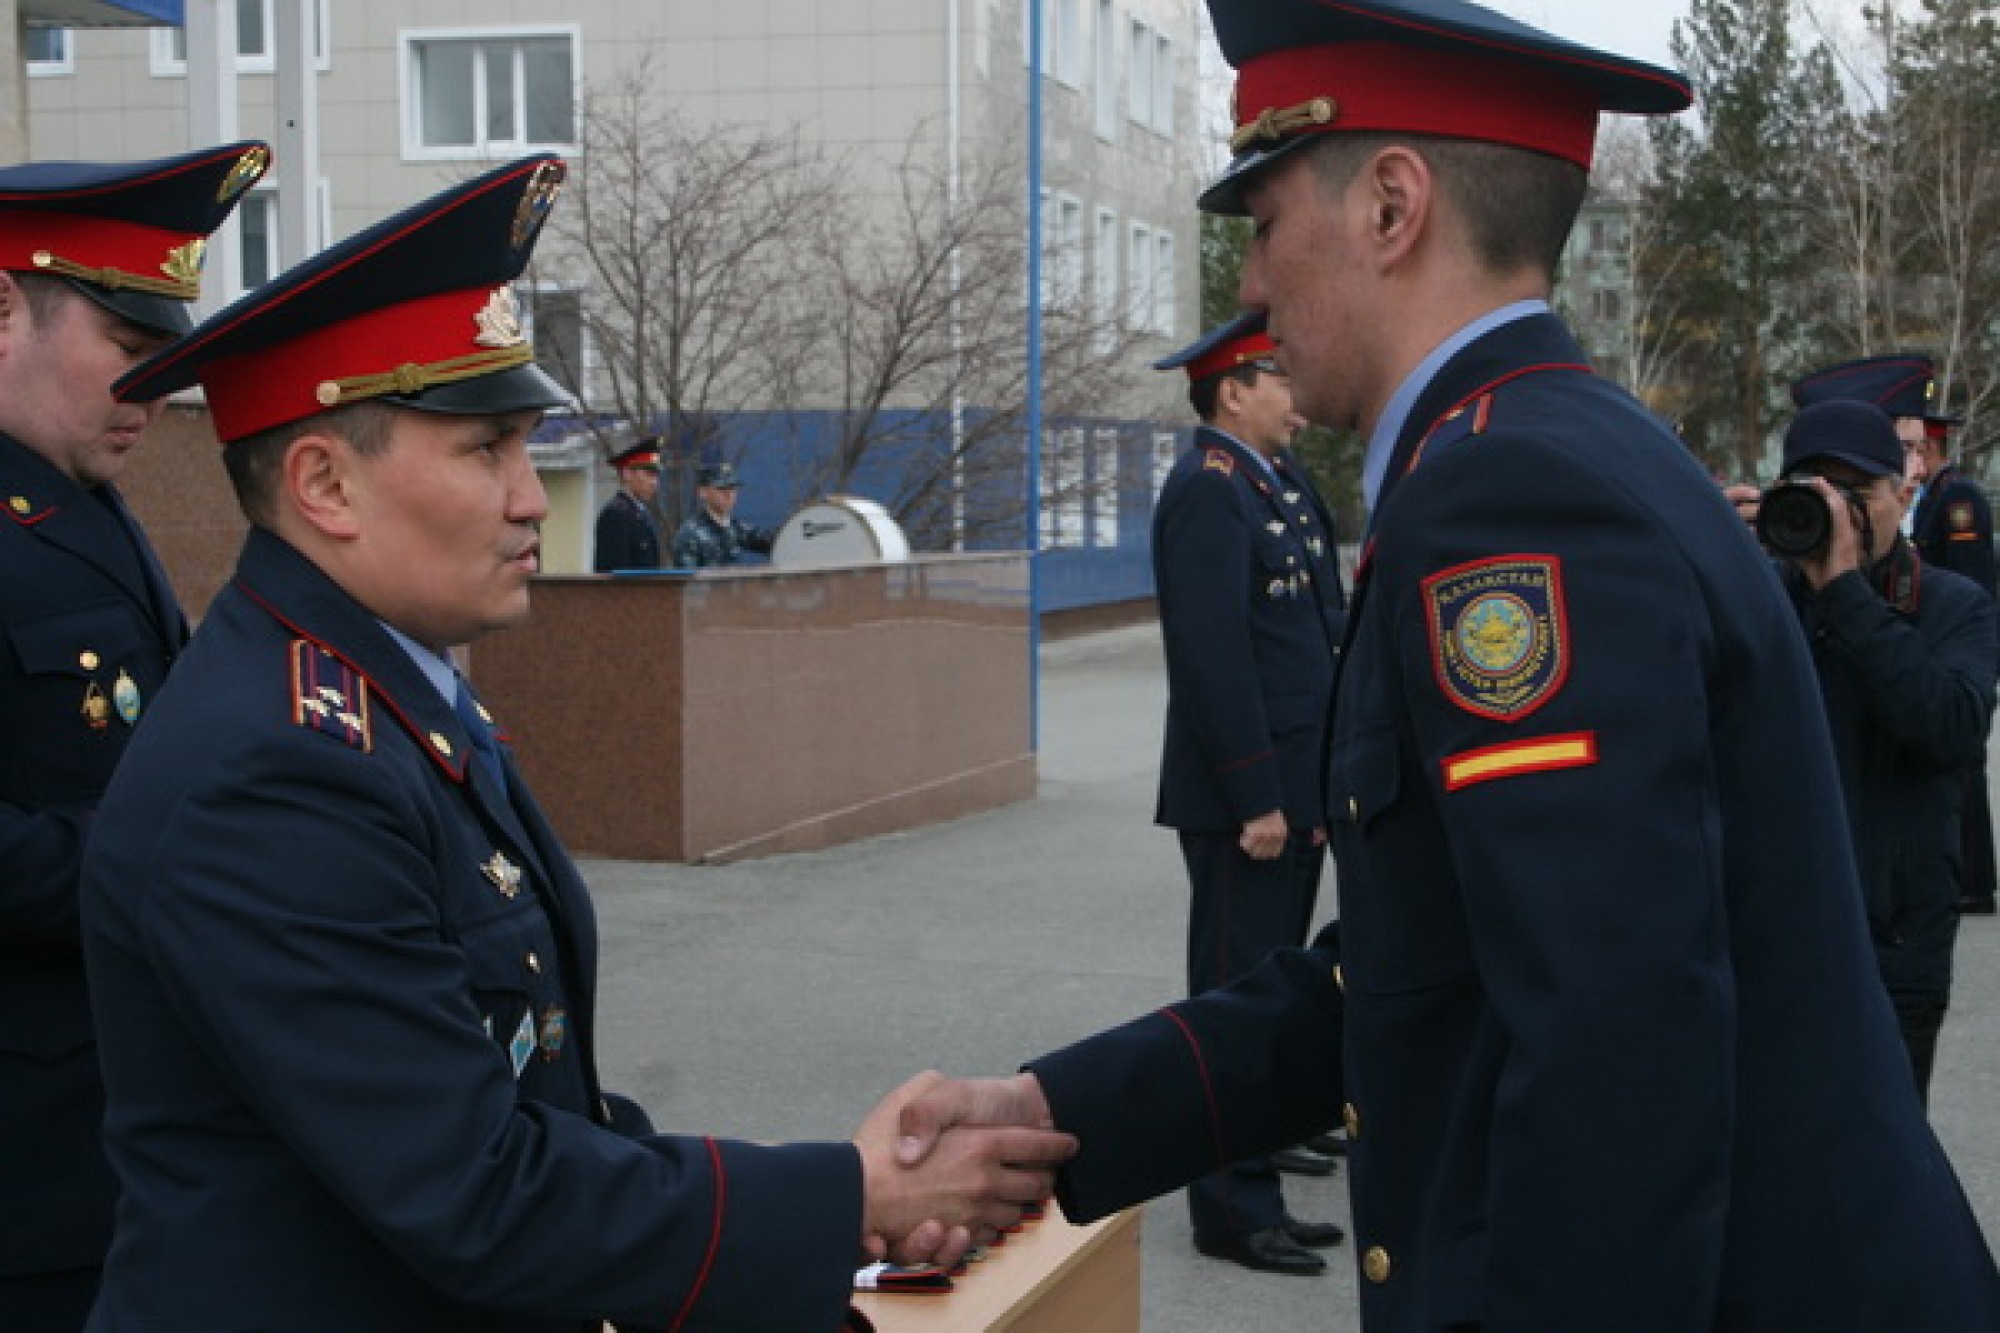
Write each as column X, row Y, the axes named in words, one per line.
column 1543, row 754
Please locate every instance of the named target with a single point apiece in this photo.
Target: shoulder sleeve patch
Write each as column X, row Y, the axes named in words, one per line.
column 1218, row 460
column 329, row 696
column 1960, row 516
column 1499, row 634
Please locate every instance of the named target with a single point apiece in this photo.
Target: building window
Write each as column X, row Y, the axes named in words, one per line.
column 1104, row 487
column 1605, row 305
column 1104, row 280
column 47, row 52
column 1139, row 276
column 1063, row 49
column 555, row 326
column 469, row 94
column 256, row 30
column 1106, row 71
column 1166, row 446
column 1062, row 251
column 1150, row 78
column 257, row 225
column 1164, row 313
column 1062, row 489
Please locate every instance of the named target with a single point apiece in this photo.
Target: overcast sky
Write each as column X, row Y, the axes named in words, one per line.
column 1644, row 28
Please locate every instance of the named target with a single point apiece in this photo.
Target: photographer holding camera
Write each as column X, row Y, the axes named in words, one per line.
column 1905, row 654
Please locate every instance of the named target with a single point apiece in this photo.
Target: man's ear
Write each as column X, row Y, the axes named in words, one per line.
column 15, row 316
column 319, row 480
column 1401, row 194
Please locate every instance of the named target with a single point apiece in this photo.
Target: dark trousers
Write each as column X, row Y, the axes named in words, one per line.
column 47, row 1302
column 1975, row 831
column 1241, row 910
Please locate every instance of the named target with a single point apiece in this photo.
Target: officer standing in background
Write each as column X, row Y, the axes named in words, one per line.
column 628, row 533
column 345, row 970
column 1611, row 1041
column 713, row 535
column 1952, row 528
column 1251, row 613
column 98, row 263
column 1906, row 655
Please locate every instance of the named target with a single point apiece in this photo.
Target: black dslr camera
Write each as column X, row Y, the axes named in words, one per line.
column 1793, row 520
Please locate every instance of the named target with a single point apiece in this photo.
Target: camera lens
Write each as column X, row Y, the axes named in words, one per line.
column 1793, row 521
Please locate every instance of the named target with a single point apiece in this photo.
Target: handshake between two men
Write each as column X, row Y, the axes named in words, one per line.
column 948, row 1164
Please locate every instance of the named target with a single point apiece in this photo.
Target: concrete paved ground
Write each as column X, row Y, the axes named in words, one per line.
column 778, row 999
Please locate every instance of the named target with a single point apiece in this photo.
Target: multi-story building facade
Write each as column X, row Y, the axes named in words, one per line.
column 413, row 95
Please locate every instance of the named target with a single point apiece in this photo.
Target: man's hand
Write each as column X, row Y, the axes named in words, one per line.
column 1842, row 551
column 1747, row 499
column 947, row 1164
column 1264, row 837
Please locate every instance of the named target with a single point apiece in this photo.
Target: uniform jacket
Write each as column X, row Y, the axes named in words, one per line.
column 1906, row 666
column 1251, row 611
column 701, row 542
column 1953, row 527
column 348, row 989
column 1616, row 1055
column 88, row 628
column 628, row 537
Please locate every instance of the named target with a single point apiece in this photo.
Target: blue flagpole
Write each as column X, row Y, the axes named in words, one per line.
column 1035, row 23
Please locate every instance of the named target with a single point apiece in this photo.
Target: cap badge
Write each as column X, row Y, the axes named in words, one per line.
column 248, row 170
column 184, row 262
column 499, row 321
column 536, row 201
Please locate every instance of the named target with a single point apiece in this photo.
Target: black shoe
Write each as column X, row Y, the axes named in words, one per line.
column 1302, row 1162
column 1313, row 1235
column 1267, row 1251
column 1328, row 1144
column 1970, row 906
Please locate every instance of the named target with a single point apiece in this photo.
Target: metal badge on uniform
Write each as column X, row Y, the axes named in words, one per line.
column 95, row 709
column 522, row 1048
column 1959, row 516
column 1277, row 588
column 125, row 698
column 506, row 876
column 1499, row 634
column 555, row 1030
column 1275, row 527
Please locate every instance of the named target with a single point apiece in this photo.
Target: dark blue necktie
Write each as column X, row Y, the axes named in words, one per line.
column 481, row 732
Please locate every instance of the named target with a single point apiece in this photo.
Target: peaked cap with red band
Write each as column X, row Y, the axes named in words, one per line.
column 645, row 453
column 1902, row 385
column 416, row 311
column 1223, row 348
column 129, row 235
column 1446, row 68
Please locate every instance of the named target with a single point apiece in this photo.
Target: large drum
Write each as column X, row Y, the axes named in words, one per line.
column 839, row 530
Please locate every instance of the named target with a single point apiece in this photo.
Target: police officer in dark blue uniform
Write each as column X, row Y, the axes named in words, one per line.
column 1952, row 528
column 1906, row 655
column 347, row 970
column 98, row 263
column 1251, row 611
column 1605, row 1021
column 628, row 532
column 712, row 535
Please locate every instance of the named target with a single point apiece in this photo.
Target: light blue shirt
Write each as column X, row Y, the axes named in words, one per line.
column 437, row 670
column 1382, row 443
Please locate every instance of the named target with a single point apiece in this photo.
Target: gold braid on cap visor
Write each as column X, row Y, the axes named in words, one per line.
column 412, row 378
column 1274, row 124
column 182, row 270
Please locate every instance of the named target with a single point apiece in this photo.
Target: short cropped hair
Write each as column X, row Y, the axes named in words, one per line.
column 1518, row 206
column 253, row 462
column 1205, row 393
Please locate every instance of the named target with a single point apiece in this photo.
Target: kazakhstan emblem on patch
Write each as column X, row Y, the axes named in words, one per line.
column 1499, row 641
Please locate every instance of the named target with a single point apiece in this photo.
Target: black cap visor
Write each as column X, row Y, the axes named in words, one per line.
column 155, row 314
column 517, row 389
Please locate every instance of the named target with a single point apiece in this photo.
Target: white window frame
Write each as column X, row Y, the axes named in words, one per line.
column 1139, row 71
column 166, row 63
column 1104, row 47
column 265, row 195
column 408, row 43
column 65, row 63
column 587, row 370
column 1139, row 254
column 1162, row 119
column 1166, row 449
column 1063, row 461
column 1165, row 283
column 1104, row 442
column 1104, row 311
